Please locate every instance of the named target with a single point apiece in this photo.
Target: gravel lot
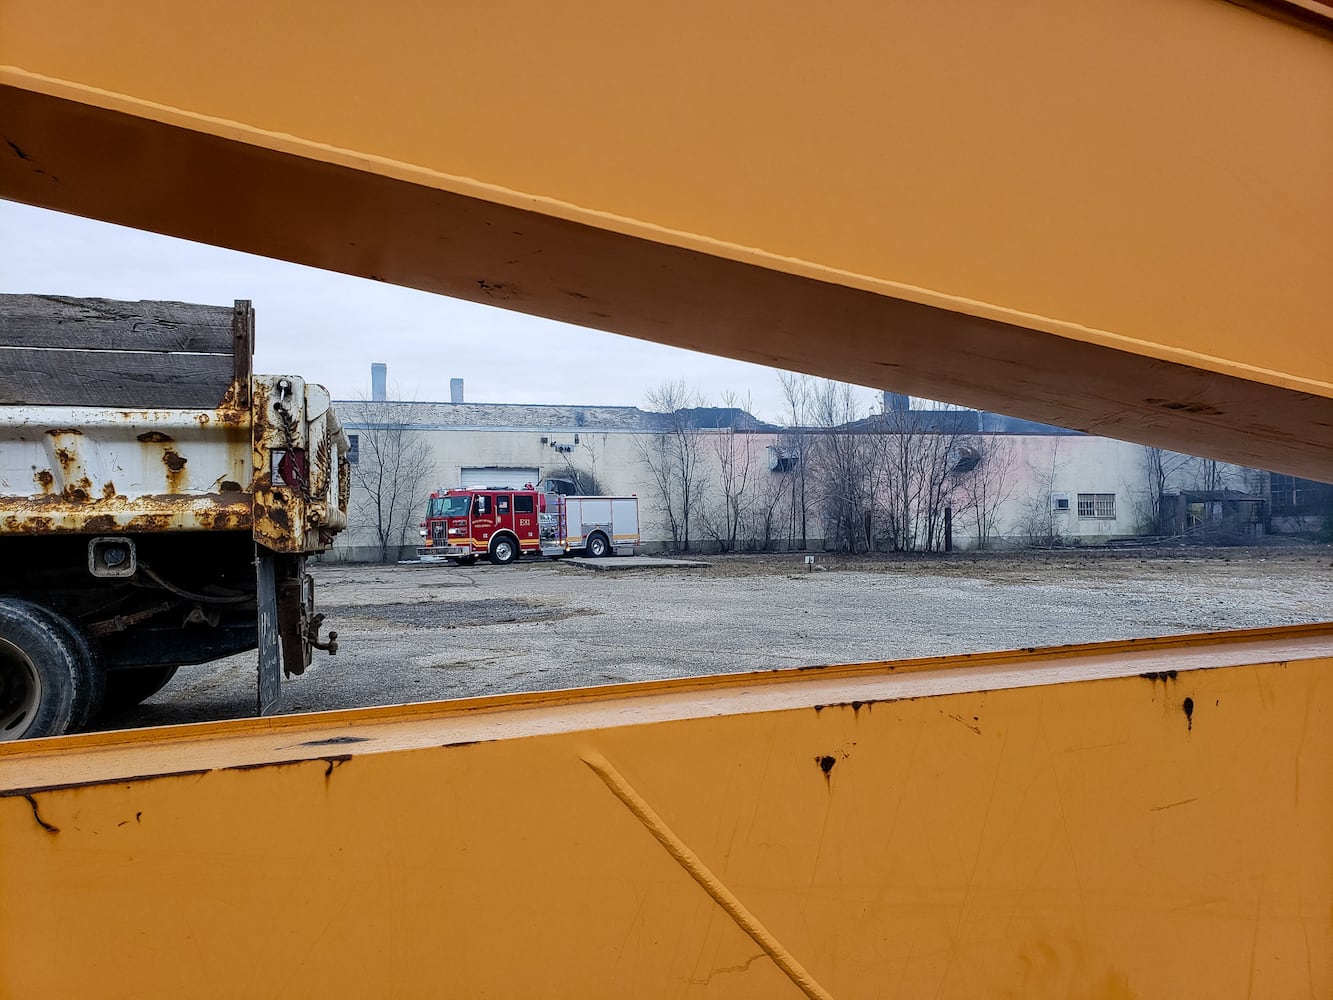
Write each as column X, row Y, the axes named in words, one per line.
column 423, row 632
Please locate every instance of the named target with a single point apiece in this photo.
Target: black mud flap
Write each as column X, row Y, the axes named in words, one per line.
column 270, row 659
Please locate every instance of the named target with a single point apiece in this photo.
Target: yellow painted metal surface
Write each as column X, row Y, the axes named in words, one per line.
column 1053, row 824
column 1115, row 216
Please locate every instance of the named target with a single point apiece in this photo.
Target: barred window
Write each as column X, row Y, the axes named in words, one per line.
column 1099, row 505
column 1286, row 491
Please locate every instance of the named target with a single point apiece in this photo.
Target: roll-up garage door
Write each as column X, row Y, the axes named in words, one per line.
column 479, row 478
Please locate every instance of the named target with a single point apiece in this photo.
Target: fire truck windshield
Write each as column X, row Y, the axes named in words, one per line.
column 455, row 506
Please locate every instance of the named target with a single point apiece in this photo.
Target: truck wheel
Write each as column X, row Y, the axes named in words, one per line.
column 127, row 688
column 504, row 550
column 90, row 658
column 597, row 546
column 43, row 684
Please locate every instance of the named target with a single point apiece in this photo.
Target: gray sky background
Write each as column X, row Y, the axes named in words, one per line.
column 329, row 328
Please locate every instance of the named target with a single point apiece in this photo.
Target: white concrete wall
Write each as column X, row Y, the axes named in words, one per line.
column 1044, row 465
column 1038, row 466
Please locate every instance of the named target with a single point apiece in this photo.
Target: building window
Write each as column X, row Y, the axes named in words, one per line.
column 1098, row 505
column 965, row 459
column 1059, row 502
column 353, row 448
column 1293, row 495
column 781, row 459
column 1286, row 492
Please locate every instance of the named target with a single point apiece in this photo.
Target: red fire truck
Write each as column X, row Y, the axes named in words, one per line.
column 503, row 523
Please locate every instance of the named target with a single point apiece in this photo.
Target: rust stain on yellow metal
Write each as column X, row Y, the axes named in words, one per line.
column 1081, row 836
column 293, row 448
column 1052, row 215
column 270, row 526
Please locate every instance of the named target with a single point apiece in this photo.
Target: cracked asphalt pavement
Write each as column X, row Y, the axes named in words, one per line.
column 411, row 633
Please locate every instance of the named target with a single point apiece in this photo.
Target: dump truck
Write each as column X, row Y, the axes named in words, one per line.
column 158, row 502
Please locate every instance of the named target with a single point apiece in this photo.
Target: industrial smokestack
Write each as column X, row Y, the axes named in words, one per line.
column 379, row 376
column 897, row 402
column 455, row 390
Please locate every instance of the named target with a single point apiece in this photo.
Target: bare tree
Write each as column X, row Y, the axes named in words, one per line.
column 1161, row 469
column 735, row 460
column 580, row 469
column 674, row 457
column 984, row 478
column 655, row 455
column 919, row 458
column 915, row 458
column 838, row 454
column 1209, row 474
column 769, row 512
column 790, row 457
column 391, row 476
column 1040, row 522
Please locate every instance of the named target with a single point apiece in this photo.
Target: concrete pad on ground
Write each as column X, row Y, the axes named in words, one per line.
column 634, row 562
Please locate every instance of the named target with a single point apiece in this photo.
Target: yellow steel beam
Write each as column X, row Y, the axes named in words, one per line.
column 1130, row 819
column 1114, row 216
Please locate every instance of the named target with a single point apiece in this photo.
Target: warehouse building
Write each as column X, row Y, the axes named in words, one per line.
column 996, row 481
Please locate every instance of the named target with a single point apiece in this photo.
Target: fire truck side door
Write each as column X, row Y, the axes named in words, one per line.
column 483, row 518
column 525, row 517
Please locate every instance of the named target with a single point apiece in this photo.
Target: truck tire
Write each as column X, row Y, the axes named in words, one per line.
column 44, row 685
column 90, row 657
column 597, row 546
column 127, row 688
column 504, row 550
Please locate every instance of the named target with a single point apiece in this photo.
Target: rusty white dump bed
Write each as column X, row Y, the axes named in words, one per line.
column 144, row 417
column 88, row 469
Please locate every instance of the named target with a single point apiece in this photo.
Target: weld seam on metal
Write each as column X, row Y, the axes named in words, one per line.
column 704, row 876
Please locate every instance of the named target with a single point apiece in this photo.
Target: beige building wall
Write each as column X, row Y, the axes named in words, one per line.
column 1109, row 475
column 608, row 455
column 1051, row 468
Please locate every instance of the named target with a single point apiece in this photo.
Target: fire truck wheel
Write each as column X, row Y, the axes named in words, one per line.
column 597, row 546
column 44, row 683
column 504, row 550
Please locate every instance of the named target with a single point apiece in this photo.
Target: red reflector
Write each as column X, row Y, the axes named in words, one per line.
column 291, row 468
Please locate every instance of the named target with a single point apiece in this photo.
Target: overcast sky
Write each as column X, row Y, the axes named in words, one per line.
column 329, row 328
